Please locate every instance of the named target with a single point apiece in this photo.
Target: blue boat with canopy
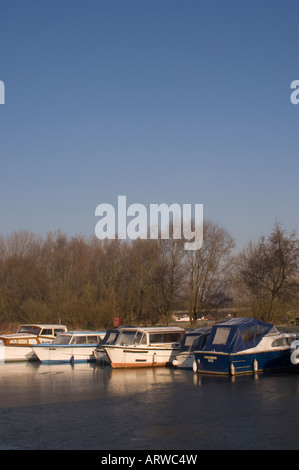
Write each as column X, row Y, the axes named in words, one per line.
column 244, row 345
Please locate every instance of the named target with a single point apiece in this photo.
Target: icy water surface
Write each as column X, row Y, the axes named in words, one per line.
column 92, row 407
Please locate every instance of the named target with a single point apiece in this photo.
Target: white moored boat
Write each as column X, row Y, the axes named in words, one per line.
column 193, row 340
column 72, row 346
column 18, row 346
column 145, row 347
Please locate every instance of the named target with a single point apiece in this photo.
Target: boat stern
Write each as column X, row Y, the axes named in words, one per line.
column 212, row 363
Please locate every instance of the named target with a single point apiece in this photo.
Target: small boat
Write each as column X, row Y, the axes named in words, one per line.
column 17, row 346
column 145, row 347
column 244, row 345
column 99, row 352
column 193, row 340
column 70, row 347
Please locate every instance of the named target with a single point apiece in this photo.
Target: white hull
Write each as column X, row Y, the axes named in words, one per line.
column 17, row 354
column 65, row 353
column 184, row 360
column 134, row 356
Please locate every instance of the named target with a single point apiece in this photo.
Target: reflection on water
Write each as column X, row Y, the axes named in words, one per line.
column 93, row 407
column 25, row 384
column 32, row 383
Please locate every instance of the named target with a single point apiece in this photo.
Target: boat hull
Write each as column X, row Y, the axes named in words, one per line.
column 184, row 360
column 241, row 362
column 60, row 354
column 128, row 357
column 17, row 354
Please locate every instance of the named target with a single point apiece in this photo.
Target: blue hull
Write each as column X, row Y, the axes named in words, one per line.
column 242, row 363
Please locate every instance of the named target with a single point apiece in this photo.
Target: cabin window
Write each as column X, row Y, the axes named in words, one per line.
column 253, row 332
column 191, row 343
column 92, row 339
column 188, row 343
column 282, row 342
column 165, row 338
column 143, row 339
column 58, row 331
column 79, row 340
column 156, row 338
column 24, row 329
column 221, row 336
column 248, row 334
column 127, row 337
column 111, row 337
column 137, row 338
column 29, row 329
column 172, row 337
column 35, row 331
column 63, row 339
column 46, row 332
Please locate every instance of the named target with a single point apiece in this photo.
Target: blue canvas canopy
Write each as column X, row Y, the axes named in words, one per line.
column 236, row 335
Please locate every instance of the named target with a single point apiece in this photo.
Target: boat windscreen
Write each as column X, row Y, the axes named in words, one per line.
column 34, row 330
column 193, row 343
column 62, row 339
column 126, row 337
column 109, row 338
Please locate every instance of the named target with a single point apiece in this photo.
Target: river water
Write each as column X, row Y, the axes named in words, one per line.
column 87, row 406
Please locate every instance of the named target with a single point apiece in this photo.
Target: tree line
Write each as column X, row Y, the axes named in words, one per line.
column 86, row 283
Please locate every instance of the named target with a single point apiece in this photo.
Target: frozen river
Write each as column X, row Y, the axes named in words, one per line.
column 92, row 407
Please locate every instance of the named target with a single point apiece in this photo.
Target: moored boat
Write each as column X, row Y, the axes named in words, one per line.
column 193, row 340
column 72, row 347
column 18, row 346
column 145, row 347
column 244, row 345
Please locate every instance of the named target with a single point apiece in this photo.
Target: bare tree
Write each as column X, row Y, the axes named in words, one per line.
column 209, row 270
column 267, row 272
column 169, row 277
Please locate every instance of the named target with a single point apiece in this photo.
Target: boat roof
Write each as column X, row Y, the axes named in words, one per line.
column 83, row 332
column 154, row 329
column 237, row 334
column 42, row 325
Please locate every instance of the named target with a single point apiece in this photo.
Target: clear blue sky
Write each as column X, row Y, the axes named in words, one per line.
column 183, row 101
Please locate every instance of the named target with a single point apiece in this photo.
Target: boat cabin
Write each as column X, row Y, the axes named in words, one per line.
column 79, row 337
column 27, row 335
column 42, row 330
column 150, row 336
